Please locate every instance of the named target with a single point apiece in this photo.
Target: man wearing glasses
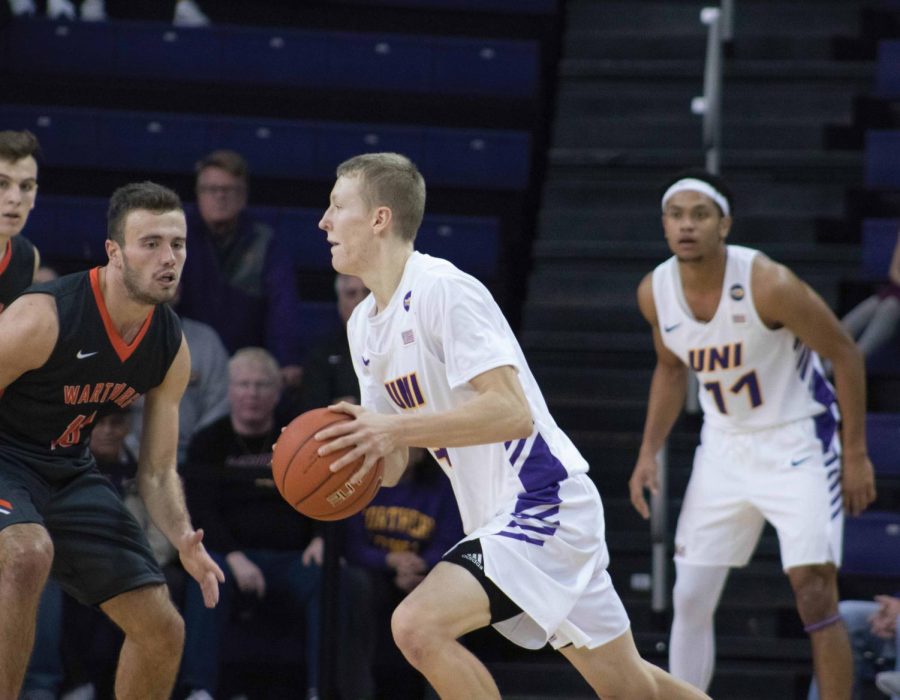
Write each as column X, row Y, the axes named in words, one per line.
column 239, row 279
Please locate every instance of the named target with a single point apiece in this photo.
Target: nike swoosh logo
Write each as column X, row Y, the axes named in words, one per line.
column 81, row 355
column 798, row 462
column 366, row 362
column 669, row 329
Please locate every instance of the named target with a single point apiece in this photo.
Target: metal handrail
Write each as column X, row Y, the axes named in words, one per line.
column 720, row 21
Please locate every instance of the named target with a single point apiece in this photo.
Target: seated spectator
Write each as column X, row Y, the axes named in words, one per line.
column 329, row 370
column 266, row 548
column 873, row 321
column 872, row 627
column 206, row 396
column 237, row 278
column 396, row 540
column 187, row 12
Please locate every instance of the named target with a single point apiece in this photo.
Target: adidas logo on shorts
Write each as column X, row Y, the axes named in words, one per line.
column 476, row 559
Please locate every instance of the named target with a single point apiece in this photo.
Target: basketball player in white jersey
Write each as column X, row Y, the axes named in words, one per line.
column 439, row 367
column 770, row 450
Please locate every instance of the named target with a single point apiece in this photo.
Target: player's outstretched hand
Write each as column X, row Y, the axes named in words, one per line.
column 197, row 562
column 858, row 484
column 644, row 477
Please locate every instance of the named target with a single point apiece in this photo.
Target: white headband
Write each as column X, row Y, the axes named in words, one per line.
column 695, row 185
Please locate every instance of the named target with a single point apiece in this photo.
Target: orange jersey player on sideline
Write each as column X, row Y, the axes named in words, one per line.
column 71, row 351
column 19, row 259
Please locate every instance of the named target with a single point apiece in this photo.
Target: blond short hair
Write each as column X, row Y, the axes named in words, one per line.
column 390, row 180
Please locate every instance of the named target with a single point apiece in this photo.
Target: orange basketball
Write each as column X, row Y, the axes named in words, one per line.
column 305, row 480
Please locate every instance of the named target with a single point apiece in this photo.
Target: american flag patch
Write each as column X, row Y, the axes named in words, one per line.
column 5, row 507
column 408, row 337
column 739, row 318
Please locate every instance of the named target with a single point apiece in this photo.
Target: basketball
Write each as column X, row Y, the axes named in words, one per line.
column 303, row 478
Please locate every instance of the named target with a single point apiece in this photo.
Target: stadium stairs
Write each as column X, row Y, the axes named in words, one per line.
column 623, row 124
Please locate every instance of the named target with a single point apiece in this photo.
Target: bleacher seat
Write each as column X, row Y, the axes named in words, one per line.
column 149, row 141
column 289, row 57
column 337, row 142
column 887, row 69
column 470, row 243
column 273, row 147
column 68, row 48
column 531, row 7
column 879, row 237
column 69, row 228
column 872, row 544
column 883, row 438
column 159, row 51
column 165, row 142
column 882, row 158
column 319, row 319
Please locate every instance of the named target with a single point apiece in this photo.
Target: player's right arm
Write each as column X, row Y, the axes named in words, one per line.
column 668, row 389
column 29, row 328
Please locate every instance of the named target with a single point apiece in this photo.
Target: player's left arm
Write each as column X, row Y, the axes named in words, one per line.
column 782, row 299
column 497, row 413
column 158, row 481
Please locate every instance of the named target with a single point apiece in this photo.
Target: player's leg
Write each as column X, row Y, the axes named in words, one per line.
column 692, row 649
column 616, row 671
column 26, row 554
column 154, row 637
column 815, row 591
column 129, row 586
column 717, row 529
column 427, row 624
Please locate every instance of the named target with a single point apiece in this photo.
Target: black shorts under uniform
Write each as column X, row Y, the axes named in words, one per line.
column 100, row 550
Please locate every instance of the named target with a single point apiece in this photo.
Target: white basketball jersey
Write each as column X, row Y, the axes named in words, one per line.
column 750, row 376
column 441, row 329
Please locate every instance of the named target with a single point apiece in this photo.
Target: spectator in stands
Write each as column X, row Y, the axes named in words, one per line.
column 19, row 259
column 329, row 375
column 875, row 319
column 872, row 626
column 237, row 278
column 187, row 12
column 206, row 397
column 267, row 549
column 396, row 540
column 771, row 450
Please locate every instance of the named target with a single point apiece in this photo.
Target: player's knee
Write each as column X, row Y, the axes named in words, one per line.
column 163, row 630
column 27, row 559
column 815, row 593
column 410, row 636
column 690, row 604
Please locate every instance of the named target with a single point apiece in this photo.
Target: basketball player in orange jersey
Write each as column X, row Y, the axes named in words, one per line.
column 19, row 259
column 439, row 367
column 72, row 351
column 770, row 448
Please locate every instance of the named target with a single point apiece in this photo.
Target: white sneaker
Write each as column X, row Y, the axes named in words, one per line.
column 187, row 14
column 199, row 694
column 888, row 682
column 60, row 9
column 85, row 691
column 93, row 11
column 20, row 8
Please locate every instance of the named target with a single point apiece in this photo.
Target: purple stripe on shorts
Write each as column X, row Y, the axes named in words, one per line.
column 521, row 537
